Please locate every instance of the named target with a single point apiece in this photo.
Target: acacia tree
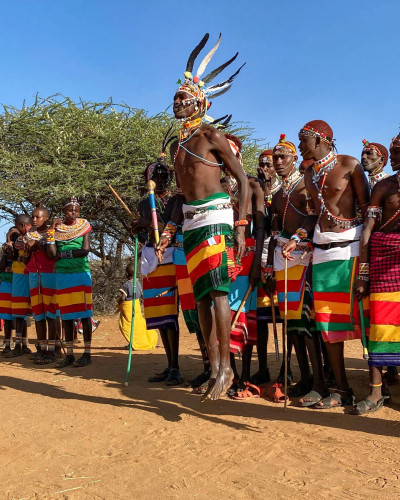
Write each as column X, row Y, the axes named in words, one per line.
column 56, row 148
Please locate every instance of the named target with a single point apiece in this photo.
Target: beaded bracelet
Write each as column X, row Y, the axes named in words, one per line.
column 363, row 268
column 243, row 222
column 374, row 212
column 363, row 277
column 301, row 234
column 169, row 230
column 50, row 240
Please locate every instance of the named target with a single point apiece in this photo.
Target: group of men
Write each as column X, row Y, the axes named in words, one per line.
column 44, row 272
column 320, row 238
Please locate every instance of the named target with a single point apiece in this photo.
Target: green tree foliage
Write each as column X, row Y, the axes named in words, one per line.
column 56, row 148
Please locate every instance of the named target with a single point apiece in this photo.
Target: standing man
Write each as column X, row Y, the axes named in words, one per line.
column 379, row 273
column 292, row 224
column 336, row 185
column 198, row 156
column 161, row 312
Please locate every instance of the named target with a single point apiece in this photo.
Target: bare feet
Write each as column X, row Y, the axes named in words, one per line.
column 222, row 383
column 206, row 394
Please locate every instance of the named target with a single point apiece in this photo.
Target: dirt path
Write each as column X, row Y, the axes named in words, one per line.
column 79, row 434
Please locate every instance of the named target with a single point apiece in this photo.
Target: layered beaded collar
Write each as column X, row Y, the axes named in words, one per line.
column 324, row 165
column 189, row 126
column 373, row 179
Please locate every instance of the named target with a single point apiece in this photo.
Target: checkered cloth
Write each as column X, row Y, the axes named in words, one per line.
column 385, row 262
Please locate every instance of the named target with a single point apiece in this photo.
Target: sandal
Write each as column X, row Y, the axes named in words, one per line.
column 335, row 396
column 300, row 389
column 159, row 377
column 174, row 377
column 83, row 361
column 366, row 406
column 199, row 380
column 250, row 391
column 26, row 350
column 67, row 361
column 276, row 394
column 45, row 359
column 202, row 389
column 17, row 351
column 315, row 398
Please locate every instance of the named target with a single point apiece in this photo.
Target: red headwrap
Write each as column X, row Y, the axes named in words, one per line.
column 381, row 150
column 267, row 152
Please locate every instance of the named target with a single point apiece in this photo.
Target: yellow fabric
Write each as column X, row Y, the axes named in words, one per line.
column 294, row 273
column 327, row 307
column 66, row 299
column 204, row 253
column 384, row 333
column 386, row 297
column 143, row 339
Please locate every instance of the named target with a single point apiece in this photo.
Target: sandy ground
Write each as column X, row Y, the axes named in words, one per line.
column 79, row 434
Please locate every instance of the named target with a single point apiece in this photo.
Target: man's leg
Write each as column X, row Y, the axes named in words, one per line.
column 304, row 385
column 281, row 376
column 85, row 359
column 319, row 386
column 7, row 335
column 19, row 332
column 262, row 376
column 208, row 328
column 51, row 344
column 246, row 363
column 41, row 333
column 174, row 376
column 68, row 326
column 160, row 377
column 223, row 329
column 336, row 358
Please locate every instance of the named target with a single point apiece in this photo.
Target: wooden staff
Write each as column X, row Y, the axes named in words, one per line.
column 284, row 337
column 363, row 334
column 274, row 327
column 165, row 292
column 241, row 307
column 124, row 205
column 151, row 185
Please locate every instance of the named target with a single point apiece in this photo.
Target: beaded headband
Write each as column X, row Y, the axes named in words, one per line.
column 196, row 87
column 74, row 202
column 368, row 145
column 285, row 147
column 315, row 133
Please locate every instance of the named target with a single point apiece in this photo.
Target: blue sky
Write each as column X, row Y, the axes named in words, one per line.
column 335, row 61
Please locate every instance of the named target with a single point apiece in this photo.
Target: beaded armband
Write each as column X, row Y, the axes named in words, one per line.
column 363, row 271
column 363, row 277
column 374, row 212
column 67, row 254
column 299, row 235
column 243, row 222
column 50, row 240
column 169, row 230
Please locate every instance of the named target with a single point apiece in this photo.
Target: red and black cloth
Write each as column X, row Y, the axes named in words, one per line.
column 385, row 262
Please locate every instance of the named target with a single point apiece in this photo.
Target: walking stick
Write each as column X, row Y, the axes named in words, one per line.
column 151, row 186
column 284, row 337
column 124, row 205
column 241, row 307
column 274, row 327
column 128, row 367
column 363, row 334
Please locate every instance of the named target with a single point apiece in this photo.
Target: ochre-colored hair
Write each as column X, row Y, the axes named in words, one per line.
column 379, row 148
column 267, row 152
column 235, row 140
column 320, row 127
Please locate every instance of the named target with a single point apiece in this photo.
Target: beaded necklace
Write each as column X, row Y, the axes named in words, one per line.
column 289, row 184
column 183, row 140
column 67, row 232
column 323, row 170
column 374, row 178
column 323, row 166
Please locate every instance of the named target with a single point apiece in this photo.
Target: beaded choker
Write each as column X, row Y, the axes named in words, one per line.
column 188, row 127
column 325, row 165
column 373, row 179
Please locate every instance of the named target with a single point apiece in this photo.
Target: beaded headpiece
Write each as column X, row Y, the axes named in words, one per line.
column 161, row 162
column 380, row 150
column 395, row 141
column 196, row 87
column 285, row 147
column 320, row 129
column 265, row 156
column 74, row 202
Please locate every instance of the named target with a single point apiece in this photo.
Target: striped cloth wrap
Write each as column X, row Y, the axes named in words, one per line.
column 299, row 297
column 333, row 278
column 208, row 244
column 384, row 337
